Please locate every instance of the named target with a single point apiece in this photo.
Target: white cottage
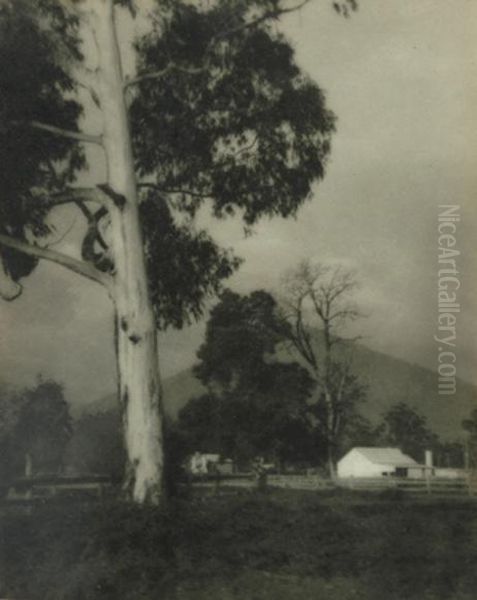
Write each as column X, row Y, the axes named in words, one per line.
column 379, row 462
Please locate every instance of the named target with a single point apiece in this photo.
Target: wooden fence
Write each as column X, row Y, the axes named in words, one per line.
column 463, row 486
column 433, row 485
column 300, row 482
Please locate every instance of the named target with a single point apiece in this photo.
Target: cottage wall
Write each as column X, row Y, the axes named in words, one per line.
column 417, row 472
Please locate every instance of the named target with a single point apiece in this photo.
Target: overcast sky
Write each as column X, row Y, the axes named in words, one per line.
column 401, row 77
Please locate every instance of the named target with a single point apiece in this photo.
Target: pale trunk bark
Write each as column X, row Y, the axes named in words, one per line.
column 136, row 341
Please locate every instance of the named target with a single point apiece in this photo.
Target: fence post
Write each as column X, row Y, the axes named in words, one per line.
column 428, row 481
column 428, row 469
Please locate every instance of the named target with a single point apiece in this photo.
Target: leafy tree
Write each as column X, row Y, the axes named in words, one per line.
column 11, row 404
column 409, row 431
column 218, row 111
column 241, row 332
column 97, row 445
column 44, row 426
column 470, row 424
column 256, row 404
column 200, row 426
column 316, row 306
column 35, row 427
column 359, row 431
column 347, row 393
column 452, row 454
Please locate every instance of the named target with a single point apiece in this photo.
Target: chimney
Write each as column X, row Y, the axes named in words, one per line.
column 428, row 458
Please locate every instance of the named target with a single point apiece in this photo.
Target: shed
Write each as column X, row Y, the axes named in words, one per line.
column 449, row 473
column 379, row 462
column 199, row 463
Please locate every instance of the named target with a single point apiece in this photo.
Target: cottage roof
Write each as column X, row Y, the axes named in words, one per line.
column 207, row 456
column 387, row 456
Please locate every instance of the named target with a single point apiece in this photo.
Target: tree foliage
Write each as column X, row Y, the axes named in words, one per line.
column 359, row 432
column 231, row 122
column 239, row 123
column 44, row 426
column 256, row 404
column 470, row 424
column 408, row 430
column 34, row 422
column 240, row 333
column 348, row 392
column 96, row 445
column 35, row 85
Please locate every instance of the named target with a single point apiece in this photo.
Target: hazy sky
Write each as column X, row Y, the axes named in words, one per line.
column 401, row 77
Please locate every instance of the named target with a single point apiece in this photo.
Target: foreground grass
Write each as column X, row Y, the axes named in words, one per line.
column 279, row 545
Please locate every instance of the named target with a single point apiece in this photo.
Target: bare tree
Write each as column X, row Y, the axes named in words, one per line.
column 319, row 297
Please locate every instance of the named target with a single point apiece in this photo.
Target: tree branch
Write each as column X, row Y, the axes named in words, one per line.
column 74, row 135
column 173, row 66
column 347, row 340
column 347, row 313
column 9, row 289
column 75, row 195
column 268, row 14
column 173, row 191
column 77, row 266
column 87, row 213
column 101, row 194
column 118, row 200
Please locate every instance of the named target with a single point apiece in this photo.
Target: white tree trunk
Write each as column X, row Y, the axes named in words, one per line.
column 136, row 340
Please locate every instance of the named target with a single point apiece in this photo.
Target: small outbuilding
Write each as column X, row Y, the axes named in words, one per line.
column 202, row 463
column 379, row 462
column 449, row 473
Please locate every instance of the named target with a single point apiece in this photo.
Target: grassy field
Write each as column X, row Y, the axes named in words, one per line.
column 282, row 544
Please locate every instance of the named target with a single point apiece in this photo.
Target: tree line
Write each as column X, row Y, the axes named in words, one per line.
column 272, row 419
column 262, row 400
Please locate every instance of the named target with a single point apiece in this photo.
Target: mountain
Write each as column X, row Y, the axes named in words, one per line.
column 178, row 390
column 389, row 380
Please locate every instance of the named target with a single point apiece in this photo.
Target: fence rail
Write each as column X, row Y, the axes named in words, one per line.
column 300, row 482
column 461, row 486
column 464, row 486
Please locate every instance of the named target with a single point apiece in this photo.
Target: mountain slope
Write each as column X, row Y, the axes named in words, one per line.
column 389, row 380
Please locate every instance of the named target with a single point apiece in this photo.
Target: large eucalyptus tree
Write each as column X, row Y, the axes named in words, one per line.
column 217, row 113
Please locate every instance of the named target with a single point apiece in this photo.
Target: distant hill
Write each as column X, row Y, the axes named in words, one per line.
column 389, row 380
column 178, row 390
